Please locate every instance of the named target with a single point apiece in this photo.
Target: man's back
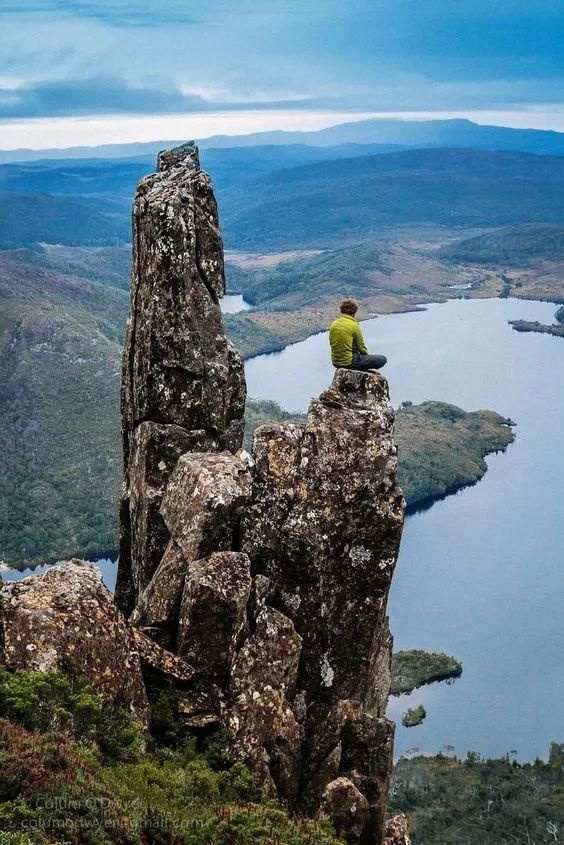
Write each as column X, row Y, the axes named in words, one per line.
column 346, row 340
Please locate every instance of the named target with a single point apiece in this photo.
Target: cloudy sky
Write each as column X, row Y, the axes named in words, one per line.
column 75, row 71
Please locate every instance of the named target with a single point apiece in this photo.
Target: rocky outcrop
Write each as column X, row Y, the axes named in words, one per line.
column 268, row 575
column 66, row 619
column 183, row 386
column 396, row 831
column 255, row 586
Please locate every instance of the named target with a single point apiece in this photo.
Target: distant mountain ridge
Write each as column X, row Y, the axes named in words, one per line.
column 323, row 204
column 403, row 133
column 354, row 199
column 510, row 246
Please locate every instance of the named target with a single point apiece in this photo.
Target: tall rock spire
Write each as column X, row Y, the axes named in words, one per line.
column 267, row 577
column 183, row 385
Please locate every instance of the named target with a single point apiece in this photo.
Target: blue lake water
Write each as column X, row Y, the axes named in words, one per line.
column 480, row 574
column 107, row 567
column 232, row 303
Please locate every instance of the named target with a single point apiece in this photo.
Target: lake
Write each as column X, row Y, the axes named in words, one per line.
column 107, row 567
column 480, row 574
column 232, row 303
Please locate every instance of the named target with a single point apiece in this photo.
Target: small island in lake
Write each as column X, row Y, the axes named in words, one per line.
column 414, row 716
column 415, row 668
column 556, row 329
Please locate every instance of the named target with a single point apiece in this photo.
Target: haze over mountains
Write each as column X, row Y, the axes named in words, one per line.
column 321, row 204
column 397, row 133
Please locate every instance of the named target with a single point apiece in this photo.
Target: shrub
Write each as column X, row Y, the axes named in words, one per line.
column 51, row 701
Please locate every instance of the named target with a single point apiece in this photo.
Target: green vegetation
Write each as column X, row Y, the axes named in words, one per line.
column 58, row 783
column 441, row 448
column 481, row 802
column 351, row 200
column 512, row 246
column 415, row 668
column 27, row 219
column 413, row 716
column 306, row 281
column 60, row 465
column 51, row 701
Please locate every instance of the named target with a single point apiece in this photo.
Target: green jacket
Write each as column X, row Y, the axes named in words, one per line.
column 346, row 340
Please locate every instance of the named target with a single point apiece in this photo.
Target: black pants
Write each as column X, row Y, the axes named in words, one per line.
column 367, row 362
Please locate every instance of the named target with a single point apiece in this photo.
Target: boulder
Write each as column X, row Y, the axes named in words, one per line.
column 397, row 830
column 346, row 808
column 201, row 509
column 66, row 619
column 213, row 614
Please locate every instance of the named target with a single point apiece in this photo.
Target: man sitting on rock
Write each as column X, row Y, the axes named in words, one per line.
column 348, row 348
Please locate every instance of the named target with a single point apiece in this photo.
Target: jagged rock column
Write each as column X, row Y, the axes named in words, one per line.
column 183, row 385
column 264, row 580
column 323, row 533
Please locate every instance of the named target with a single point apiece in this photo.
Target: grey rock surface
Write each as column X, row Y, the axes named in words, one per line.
column 66, row 619
column 268, row 576
column 183, row 383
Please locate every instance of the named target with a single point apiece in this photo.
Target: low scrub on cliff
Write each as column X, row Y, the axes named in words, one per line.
column 479, row 801
column 71, row 771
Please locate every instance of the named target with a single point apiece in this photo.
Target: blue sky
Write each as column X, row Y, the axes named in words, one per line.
column 62, row 60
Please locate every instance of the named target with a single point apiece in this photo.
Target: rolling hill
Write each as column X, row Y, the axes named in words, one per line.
column 31, row 218
column 512, row 246
column 403, row 133
column 354, row 199
column 268, row 202
column 60, row 464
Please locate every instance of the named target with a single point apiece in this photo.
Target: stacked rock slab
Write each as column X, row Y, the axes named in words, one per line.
column 323, row 532
column 267, row 578
column 183, row 386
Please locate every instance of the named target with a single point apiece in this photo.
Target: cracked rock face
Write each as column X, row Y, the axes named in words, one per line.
column 255, row 587
column 183, row 385
column 268, row 577
column 324, row 528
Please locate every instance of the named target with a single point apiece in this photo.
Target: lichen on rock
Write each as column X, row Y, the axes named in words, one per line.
column 66, row 619
column 269, row 575
column 254, row 586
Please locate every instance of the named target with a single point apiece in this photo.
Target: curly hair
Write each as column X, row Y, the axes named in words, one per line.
column 349, row 306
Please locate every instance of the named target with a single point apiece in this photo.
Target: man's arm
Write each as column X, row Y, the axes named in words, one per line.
column 359, row 340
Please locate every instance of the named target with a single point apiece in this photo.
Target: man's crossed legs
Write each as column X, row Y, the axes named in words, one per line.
column 367, row 362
